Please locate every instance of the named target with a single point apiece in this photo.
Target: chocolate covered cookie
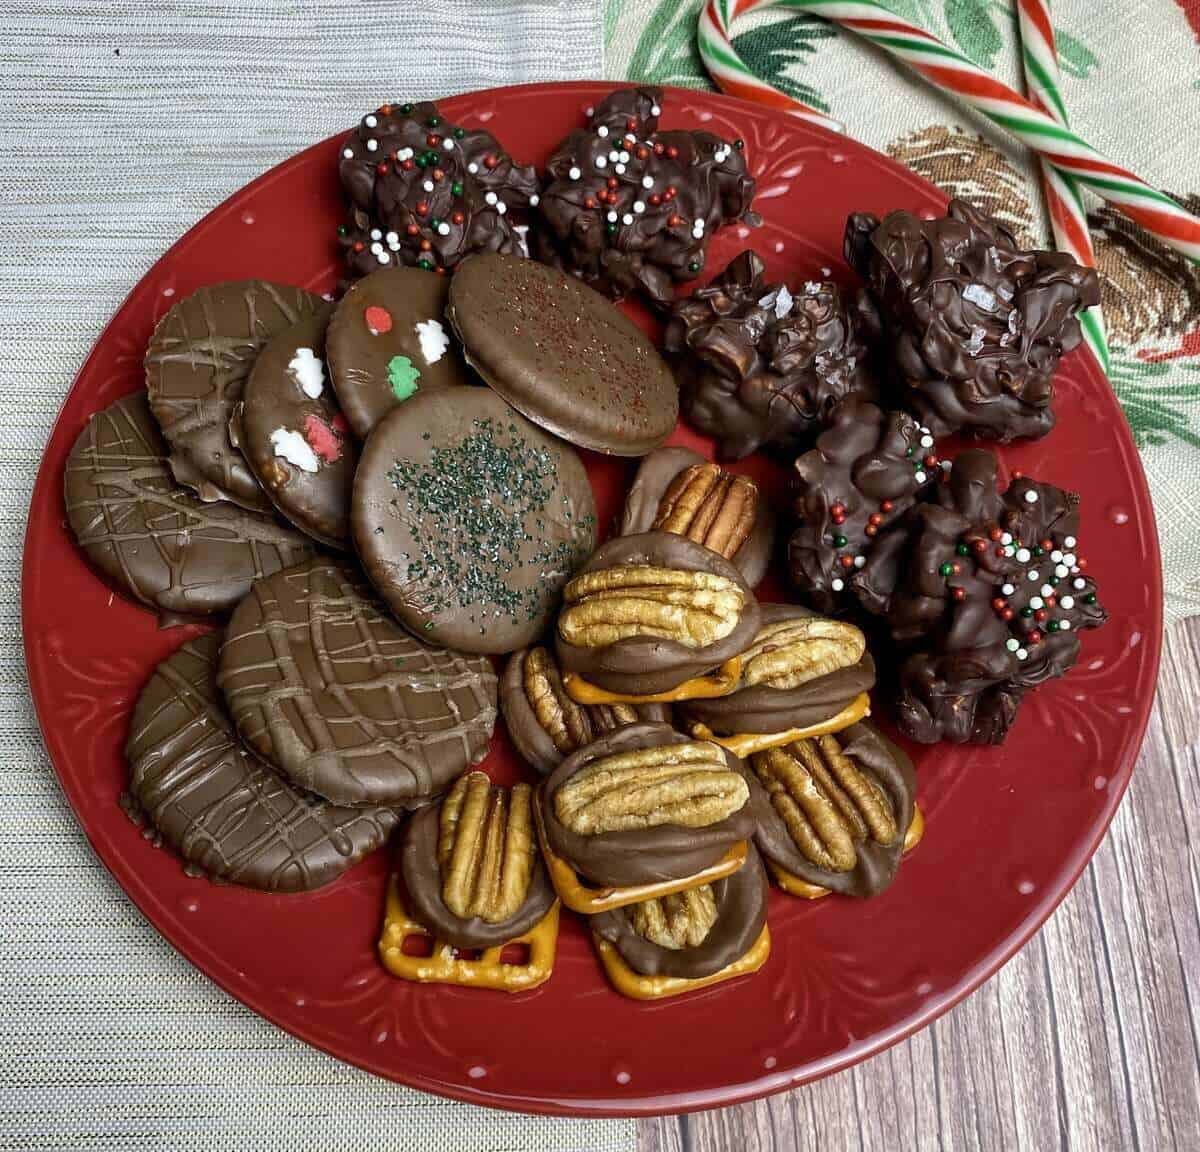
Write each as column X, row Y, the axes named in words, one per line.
column 425, row 192
column 197, row 363
column 835, row 813
column 677, row 490
column 387, row 340
column 220, row 808
column 628, row 207
column 292, row 433
column 974, row 325
column 469, row 519
column 651, row 616
column 802, row 675
column 154, row 541
column 675, row 944
column 563, row 355
column 545, row 724
column 322, row 683
column 760, row 366
column 866, row 471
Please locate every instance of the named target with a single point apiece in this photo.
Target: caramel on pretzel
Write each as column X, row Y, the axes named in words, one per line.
column 581, row 897
column 637, row 987
column 719, row 683
column 747, row 743
column 445, row 966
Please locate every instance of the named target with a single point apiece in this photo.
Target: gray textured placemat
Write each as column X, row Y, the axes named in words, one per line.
column 122, row 125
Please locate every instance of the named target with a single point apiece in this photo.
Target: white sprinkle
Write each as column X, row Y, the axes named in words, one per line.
column 981, row 296
column 404, row 154
column 921, row 477
column 639, row 207
column 1062, row 571
column 394, row 245
column 1031, row 497
column 1069, row 542
column 472, row 167
column 447, row 145
column 308, row 371
column 1069, row 558
column 1012, row 644
column 1006, row 538
column 433, row 338
column 428, row 185
column 602, row 131
column 1023, row 555
column 697, row 233
column 1056, row 556
column 491, row 198
column 601, row 162
column 1036, row 602
column 376, row 247
column 926, row 441
column 612, row 217
column 534, row 200
column 1067, row 602
column 443, row 229
column 837, row 584
column 655, row 110
column 1047, row 590
column 627, row 218
column 619, row 169
column 1007, row 589
column 614, row 155
column 698, row 224
column 382, row 257
column 647, row 181
column 372, row 145
column 376, row 234
column 1079, row 583
column 1074, row 569
column 1022, row 654
column 370, row 121
column 392, row 237
column 574, row 173
column 860, row 561
column 501, row 207
column 293, row 448
column 623, row 157
column 348, row 153
column 1034, row 575
column 1008, row 548
column 1064, row 625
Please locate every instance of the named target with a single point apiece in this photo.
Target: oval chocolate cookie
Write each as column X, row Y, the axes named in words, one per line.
column 221, row 809
column 196, row 367
column 387, row 340
column 469, row 520
column 562, row 354
column 293, row 434
column 323, row 684
column 156, row 542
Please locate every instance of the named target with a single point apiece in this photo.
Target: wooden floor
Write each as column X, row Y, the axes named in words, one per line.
column 1088, row 1040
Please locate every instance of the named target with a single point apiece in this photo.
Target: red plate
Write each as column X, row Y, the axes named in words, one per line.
column 1009, row 829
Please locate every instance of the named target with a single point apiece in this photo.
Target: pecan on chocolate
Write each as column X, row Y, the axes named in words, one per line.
column 711, row 506
column 791, row 652
column 693, row 608
column 688, row 784
column 827, row 803
column 609, row 717
column 682, row 920
column 486, row 848
column 564, row 721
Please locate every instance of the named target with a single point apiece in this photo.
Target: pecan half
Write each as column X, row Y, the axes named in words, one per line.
column 693, row 608
column 711, row 506
column 826, row 801
column 679, row 921
column 564, row 721
column 791, row 652
column 608, row 717
column 688, row 784
column 486, row 848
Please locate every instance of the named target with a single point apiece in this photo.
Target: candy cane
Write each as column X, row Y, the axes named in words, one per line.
column 952, row 72
column 1068, row 217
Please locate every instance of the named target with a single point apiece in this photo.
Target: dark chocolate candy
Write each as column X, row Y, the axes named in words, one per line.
column 866, row 471
column 545, row 724
column 563, row 355
column 655, row 475
column 643, row 855
column 387, row 340
column 974, row 325
column 220, row 808
column 741, row 901
column 423, row 881
column 155, row 541
column 196, row 367
column 469, row 519
column 759, row 366
column 644, row 665
column 892, row 779
column 761, row 708
column 425, row 192
column 293, row 435
column 630, row 208
column 322, row 683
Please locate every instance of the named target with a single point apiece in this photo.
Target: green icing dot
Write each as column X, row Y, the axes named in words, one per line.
column 402, row 376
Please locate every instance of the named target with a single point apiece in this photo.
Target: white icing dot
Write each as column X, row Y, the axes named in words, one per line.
column 472, row 167
column 447, row 145
column 1023, row 555
column 1022, row 654
column 614, row 155
column 372, row 145
column 1034, row 575
column 647, row 181
column 619, row 169
column 1062, row 571
column 612, row 217
column 921, row 477
column 376, row 234
column 1068, row 602
column 534, row 200
column 639, row 207
column 627, row 218
column 376, row 247
column 491, row 198
column 574, row 173
column 394, row 245
column 860, row 561
column 501, row 207
column 1007, row 589
column 1069, row 542
column 1012, row 644
column 370, row 121
column 443, row 229
column 624, row 157
column 348, row 153
column 1047, row 590
column 1031, row 497
column 1069, row 558
column 1006, row 538
column 601, row 161
column 698, row 224
column 1064, row 625
column 926, row 441
column 293, row 448
column 837, row 584
column 602, row 131
column 404, row 154
column 392, row 237
column 308, row 371
column 428, row 185
column 1079, row 583
column 434, row 340
column 655, row 110
column 1056, row 556
column 1036, row 602
column 382, row 257
column 1008, row 548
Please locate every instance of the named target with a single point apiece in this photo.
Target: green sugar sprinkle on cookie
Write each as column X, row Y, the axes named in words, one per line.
column 403, row 377
column 473, row 500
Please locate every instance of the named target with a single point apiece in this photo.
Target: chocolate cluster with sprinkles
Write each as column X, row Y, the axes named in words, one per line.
column 425, row 192
column 630, row 208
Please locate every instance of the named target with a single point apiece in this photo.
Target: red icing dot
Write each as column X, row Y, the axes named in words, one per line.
column 324, row 440
column 378, row 321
